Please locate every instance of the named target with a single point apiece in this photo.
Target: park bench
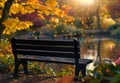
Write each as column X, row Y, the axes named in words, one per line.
column 48, row 50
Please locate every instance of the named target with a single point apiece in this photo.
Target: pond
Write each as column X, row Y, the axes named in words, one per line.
column 108, row 48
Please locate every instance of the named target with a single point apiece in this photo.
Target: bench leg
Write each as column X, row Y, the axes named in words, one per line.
column 83, row 70
column 24, row 63
column 77, row 70
column 15, row 74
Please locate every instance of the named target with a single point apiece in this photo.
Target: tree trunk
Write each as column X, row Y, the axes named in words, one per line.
column 99, row 28
column 2, row 27
column 5, row 14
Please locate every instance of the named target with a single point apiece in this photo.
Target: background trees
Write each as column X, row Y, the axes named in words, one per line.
column 20, row 14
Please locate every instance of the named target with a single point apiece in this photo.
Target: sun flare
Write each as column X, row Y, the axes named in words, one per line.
column 87, row 2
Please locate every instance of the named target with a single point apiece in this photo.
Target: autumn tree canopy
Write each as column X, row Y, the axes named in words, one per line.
column 8, row 8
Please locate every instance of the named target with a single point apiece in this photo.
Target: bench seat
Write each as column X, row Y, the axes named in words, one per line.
column 55, row 59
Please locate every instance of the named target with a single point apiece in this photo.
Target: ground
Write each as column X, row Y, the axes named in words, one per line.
column 6, row 78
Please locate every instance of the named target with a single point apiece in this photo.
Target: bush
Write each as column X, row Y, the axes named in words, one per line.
column 105, row 72
column 6, row 63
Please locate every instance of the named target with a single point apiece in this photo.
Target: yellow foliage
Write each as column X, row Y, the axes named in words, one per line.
column 32, row 5
column 41, row 7
column 12, row 25
column 50, row 7
column 35, row 4
column 46, row 12
column 69, row 19
column 22, row 8
column 41, row 16
column 106, row 22
column 1, row 5
column 51, row 3
column 58, row 12
column 17, row 0
column 25, row 8
column 54, row 19
column 2, row 2
column 15, row 8
column 0, row 13
column 28, row 9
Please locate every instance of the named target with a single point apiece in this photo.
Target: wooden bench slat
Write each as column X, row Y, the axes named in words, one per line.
column 45, row 47
column 45, row 42
column 46, row 53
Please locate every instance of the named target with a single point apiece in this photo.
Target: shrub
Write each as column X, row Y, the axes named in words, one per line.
column 6, row 63
column 105, row 72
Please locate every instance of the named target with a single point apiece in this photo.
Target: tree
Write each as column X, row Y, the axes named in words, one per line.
column 9, row 8
column 4, row 13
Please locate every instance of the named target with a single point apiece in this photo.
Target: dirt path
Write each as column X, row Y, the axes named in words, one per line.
column 6, row 78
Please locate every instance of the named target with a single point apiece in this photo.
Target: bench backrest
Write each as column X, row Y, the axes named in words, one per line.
column 46, row 47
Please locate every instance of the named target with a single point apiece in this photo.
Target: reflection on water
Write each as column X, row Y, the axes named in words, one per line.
column 91, row 56
column 89, row 50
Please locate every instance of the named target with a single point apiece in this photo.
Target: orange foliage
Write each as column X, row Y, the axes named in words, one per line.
column 66, row 79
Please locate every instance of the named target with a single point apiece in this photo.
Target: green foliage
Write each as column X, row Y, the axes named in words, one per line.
column 5, row 46
column 116, row 79
column 95, row 81
column 64, row 72
column 36, row 34
column 70, row 29
column 35, row 68
column 115, row 31
column 6, row 63
column 106, row 69
column 78, row 23
column 60, row 29
column 47, row 31
column 106, row 72
column 6, row 58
